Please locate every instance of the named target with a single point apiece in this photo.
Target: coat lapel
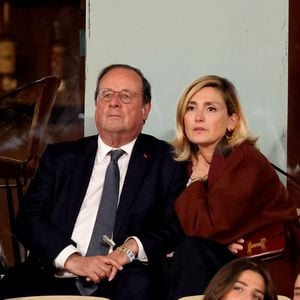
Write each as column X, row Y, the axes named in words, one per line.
column 137, row 168
column 84, row 157
column 218, row 164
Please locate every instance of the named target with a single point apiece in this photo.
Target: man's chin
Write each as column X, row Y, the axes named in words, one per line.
column 114, row 128
column 113, row 124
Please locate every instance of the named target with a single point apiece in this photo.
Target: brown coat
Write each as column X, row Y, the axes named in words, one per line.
column 243, row 193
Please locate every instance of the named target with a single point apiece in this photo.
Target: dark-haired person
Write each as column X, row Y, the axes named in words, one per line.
column 58, row 212
column 241, row 279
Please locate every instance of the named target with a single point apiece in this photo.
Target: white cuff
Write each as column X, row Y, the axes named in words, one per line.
column 141, row 253
column 60, row 259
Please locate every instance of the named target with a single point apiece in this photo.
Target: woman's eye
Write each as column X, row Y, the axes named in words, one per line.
column 258, row 297
column 238, row 288
column 190, row 107
column 211, row 108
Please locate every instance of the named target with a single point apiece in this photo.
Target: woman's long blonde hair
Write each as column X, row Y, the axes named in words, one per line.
column 183, row 148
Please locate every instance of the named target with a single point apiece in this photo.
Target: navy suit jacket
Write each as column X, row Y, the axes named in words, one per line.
column 52, row 202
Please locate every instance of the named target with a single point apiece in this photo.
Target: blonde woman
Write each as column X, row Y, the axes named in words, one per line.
column 233, row 189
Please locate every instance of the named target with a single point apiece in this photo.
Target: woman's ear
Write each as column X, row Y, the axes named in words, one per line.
column 232, row 122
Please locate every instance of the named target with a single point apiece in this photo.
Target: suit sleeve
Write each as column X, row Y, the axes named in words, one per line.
column 162, row 238
column 34, row 226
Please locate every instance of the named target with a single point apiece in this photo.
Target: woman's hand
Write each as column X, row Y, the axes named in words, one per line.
column 236, row 246
column 200, row 167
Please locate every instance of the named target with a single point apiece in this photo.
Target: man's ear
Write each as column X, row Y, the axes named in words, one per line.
column 145, row 110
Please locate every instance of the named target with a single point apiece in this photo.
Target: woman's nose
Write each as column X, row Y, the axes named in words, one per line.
column 199, row 115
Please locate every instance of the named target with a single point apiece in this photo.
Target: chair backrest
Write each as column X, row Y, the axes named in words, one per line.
column 43, row 109
column 24, row 114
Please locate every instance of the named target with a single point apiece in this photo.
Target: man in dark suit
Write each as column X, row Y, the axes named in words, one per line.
column 58, row 212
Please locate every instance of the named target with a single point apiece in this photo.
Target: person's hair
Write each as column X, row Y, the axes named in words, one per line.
column 146, row 87
column 184, row 148
column 225, row 278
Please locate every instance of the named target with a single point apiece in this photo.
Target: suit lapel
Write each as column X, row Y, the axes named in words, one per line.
column 137, row 167
column 83, row 162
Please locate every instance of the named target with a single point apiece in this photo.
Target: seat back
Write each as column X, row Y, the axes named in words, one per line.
column 43, row 109
column 24, row 114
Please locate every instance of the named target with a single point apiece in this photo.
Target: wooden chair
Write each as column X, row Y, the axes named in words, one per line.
column 24, row 114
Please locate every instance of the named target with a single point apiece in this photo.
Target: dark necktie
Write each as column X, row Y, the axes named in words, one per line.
column 105, row 219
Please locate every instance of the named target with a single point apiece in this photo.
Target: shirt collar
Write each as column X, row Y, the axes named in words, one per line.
column 103, row 149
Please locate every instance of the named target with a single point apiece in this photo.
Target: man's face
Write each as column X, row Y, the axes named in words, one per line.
column 120, row 112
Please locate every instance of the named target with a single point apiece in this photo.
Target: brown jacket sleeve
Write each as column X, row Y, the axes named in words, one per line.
column 243, row 194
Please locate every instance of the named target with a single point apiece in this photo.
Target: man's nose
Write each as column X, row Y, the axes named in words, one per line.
column 115, row 99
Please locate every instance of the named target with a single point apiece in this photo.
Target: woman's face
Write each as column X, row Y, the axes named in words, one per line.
column 297, row 289
column 206, row 118
column 249, row 286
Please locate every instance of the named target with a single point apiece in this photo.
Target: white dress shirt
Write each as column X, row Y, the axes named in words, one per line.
column 86, row 218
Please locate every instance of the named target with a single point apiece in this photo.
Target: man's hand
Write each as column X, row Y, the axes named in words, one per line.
column 236, row 246
column 93, row 268
column 121, row 257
